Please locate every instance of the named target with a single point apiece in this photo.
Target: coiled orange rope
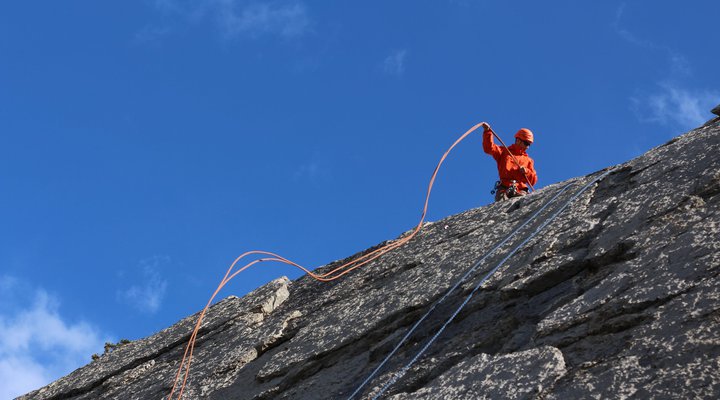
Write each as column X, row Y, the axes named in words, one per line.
column 326, row 277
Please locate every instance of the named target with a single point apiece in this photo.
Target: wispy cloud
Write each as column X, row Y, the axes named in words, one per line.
column 289, row 20
column 7, row 283
column 243, row 18
column 672, row 104
column 678, row 63
column 313, row 170
column 626, row 34
column 38, row 345
column 191, row 10
column 394, row 64
column 670, row 101
column 310, row 170
column 152, row 34
column 147, row 295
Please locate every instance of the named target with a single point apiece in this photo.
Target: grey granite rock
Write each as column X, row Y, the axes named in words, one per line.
column 487, row 377
column 618, row 297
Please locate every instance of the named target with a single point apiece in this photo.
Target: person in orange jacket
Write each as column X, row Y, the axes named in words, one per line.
column 515, row 172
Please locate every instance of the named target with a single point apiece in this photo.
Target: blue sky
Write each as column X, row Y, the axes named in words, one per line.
column 144, row 145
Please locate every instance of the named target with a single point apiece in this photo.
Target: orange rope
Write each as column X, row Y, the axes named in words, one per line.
column 326, row 277
column 513, row 157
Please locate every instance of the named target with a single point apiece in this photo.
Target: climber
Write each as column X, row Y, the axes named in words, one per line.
column 515, row 167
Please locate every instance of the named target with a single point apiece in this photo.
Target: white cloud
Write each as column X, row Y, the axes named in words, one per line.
column 673, row 104
column 147, row 296
column 21, row 375
column 258, row 19
column 394, row 64
column 243, row 18
column 38, row 345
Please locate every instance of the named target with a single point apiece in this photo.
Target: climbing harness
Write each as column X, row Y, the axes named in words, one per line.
column 184, row 367
column 404, row 370
column 456, row 285
column 511, row 191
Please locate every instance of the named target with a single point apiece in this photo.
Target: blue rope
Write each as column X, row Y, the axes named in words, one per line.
column 404, row 370
column 452, row 289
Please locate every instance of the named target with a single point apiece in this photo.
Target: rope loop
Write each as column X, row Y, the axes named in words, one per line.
column 183, row 371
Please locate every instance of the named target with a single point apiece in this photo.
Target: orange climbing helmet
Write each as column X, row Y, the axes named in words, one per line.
column 524, row 134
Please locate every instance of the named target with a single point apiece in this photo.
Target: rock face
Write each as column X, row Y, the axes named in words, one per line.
column 617, row 297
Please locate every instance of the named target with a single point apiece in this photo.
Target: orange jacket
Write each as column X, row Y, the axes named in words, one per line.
column 507, row 168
